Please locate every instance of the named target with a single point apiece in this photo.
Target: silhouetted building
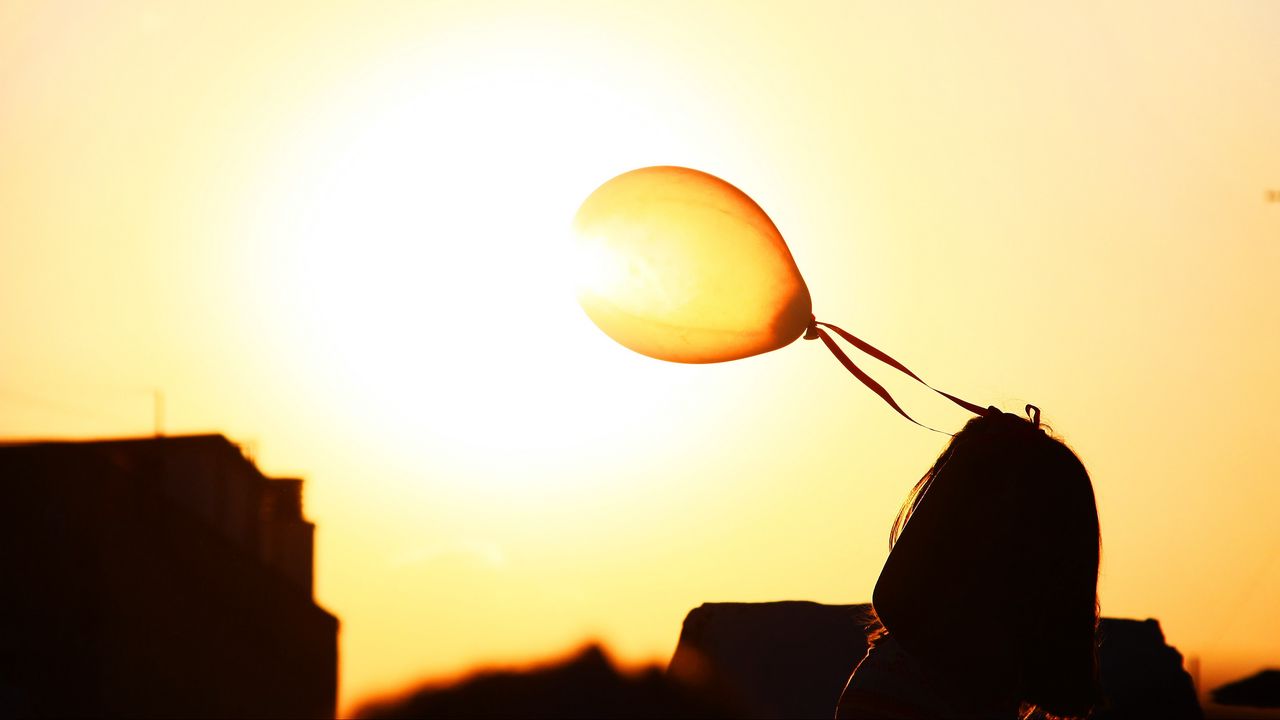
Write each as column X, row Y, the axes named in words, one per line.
column 157, row 577
column 1261, row 690
column 792, row 659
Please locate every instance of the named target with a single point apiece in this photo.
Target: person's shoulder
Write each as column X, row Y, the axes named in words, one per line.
column 886, row 684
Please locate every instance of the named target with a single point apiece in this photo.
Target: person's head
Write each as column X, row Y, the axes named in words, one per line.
column 1046, row 511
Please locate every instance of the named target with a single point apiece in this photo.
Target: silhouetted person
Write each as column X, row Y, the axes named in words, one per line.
column 988, row 600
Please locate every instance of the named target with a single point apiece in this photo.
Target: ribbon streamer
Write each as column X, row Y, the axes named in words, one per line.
column 817, row 333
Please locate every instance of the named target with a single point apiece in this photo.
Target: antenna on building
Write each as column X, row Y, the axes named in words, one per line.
column 1193, row 668
column 158, row 396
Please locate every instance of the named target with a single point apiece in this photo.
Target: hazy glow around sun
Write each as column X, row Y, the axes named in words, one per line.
column 423, row 243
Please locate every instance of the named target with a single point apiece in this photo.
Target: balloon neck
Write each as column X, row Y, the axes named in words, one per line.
column 811, row 332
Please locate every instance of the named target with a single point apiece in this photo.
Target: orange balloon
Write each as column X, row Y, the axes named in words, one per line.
column 680, row 265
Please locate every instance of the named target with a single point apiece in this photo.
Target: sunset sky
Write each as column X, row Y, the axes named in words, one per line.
column 338, row 233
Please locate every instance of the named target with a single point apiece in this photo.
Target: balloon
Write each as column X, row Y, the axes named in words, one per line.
column 680, row 265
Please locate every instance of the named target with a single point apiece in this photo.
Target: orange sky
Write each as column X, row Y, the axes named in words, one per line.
column 337, row 233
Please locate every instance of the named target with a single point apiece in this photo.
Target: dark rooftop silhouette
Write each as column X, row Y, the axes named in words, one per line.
column 791, row 659
column 769, row 660
column 1261, row 690
column 155, row 577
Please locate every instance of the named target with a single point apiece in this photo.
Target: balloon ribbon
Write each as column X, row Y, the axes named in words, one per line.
column 814, row 332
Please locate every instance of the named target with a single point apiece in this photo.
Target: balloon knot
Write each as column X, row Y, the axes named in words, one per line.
column 811, row 332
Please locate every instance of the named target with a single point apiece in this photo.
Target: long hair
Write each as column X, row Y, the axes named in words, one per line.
column 1047, row 512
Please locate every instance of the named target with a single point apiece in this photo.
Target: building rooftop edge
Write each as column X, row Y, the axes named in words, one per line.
column 194, row 437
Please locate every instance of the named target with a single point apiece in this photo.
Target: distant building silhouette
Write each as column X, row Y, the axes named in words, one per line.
column 157, row 577
column 791, row 659
column 1259, row 690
